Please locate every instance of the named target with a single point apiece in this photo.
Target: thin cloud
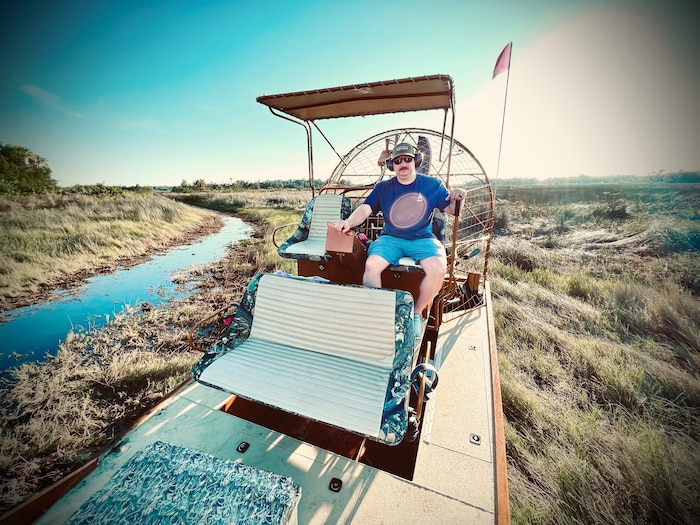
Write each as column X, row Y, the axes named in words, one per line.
column 147, row 124
column 49, row 99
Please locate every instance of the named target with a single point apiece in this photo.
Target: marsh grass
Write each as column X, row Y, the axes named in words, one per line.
column 598, row 338
column 57, row 413
column 259, row 253
column 45, row 239
column 598, row 332
column 267, row 210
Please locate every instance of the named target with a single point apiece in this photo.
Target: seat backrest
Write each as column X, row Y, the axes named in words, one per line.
column 352, row 322
column 326, row 208
column 335, row 353
column 309, row 239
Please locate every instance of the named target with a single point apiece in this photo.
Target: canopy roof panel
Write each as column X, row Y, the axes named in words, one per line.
column 375, row 98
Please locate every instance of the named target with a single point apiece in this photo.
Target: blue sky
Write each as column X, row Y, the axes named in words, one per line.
column 153, row 93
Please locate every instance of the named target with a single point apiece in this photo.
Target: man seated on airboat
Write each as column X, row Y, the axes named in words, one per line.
column 406, row 202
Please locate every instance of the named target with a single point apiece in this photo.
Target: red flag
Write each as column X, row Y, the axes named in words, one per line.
column 503, row 62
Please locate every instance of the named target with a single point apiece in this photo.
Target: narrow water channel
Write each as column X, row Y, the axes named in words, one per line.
column 29, row 333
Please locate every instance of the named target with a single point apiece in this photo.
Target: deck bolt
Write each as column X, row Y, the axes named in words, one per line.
column 472, row 347
column 242, row 446
column 336, row 485
column 475, row 439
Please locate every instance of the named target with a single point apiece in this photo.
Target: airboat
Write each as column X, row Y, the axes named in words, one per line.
column 317, row 404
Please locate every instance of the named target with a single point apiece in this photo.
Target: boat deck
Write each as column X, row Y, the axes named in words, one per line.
column 454, row 480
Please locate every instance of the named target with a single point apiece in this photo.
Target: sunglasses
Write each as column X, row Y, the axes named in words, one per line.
column 401, row 160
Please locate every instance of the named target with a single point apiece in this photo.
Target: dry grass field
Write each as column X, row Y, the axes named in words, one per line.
column 595, row 294
column 56, row 414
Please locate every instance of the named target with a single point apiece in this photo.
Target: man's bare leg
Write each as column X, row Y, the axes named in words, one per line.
column 434, row 268
column 374, row 266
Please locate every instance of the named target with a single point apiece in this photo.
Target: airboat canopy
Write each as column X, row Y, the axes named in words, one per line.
column 375, row 98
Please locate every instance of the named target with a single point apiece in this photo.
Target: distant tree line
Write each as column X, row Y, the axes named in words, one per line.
column 103, row 189
column 660, row 177
column 680, row 177
column 232, row 186
column 23, row 172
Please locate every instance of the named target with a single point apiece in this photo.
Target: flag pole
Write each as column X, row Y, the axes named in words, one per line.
column 502, row 63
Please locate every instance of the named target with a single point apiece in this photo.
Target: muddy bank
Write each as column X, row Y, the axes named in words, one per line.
column 210, row 223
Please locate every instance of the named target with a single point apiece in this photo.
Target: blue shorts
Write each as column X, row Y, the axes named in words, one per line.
column 391, row 249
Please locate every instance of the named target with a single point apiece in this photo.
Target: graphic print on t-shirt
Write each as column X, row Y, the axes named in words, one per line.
column 407, row 211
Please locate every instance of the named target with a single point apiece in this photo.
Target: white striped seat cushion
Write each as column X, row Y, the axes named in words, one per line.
column 326, row 209
column 344, row 393
column 322, row 351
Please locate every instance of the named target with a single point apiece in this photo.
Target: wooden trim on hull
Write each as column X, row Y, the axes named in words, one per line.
column 501, row 462
column 35, row 506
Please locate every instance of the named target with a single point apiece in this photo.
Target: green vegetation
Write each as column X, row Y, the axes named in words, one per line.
column 47, row 239
column 596, row 298
column 23, row 172
column 200, row 185
column 244, row 201
column 683, row 177
column 268, row 210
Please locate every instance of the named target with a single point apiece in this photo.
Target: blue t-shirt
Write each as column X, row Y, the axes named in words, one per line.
column 407, row 208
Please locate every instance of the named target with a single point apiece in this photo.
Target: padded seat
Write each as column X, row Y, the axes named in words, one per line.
column 339, row 354
column 309, row 240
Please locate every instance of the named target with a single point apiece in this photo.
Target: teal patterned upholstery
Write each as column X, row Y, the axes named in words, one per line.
column 166, row 483
column 308, row 241
column 326, row 360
